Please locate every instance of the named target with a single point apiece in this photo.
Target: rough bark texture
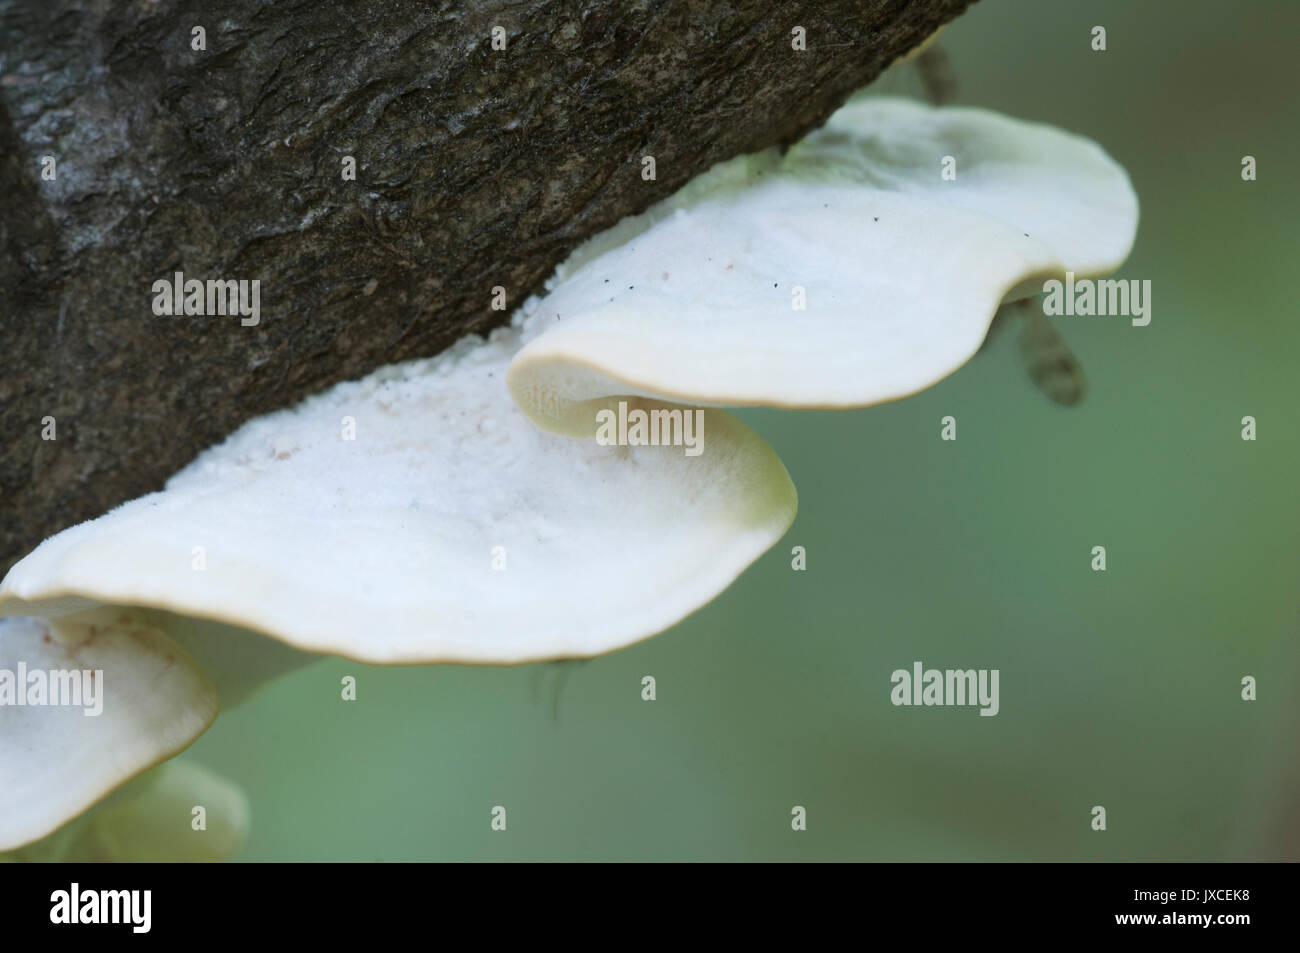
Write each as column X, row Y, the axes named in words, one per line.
column 475, row 168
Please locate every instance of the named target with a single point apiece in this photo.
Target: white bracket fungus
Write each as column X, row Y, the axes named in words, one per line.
column 56, row 760
column 900, row 270
column 379, row 548
column 178, row 812
column 444, row 527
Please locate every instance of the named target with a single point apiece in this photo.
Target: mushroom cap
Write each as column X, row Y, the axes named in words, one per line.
column 153, row 824
column 902, row 269
column 149, row 819
column 382, row 548
column 55, row 761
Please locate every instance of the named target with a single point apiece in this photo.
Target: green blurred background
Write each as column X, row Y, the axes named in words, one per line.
column 1119, row 688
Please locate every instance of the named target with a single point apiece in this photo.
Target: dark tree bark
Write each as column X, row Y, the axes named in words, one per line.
column 475, row 168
